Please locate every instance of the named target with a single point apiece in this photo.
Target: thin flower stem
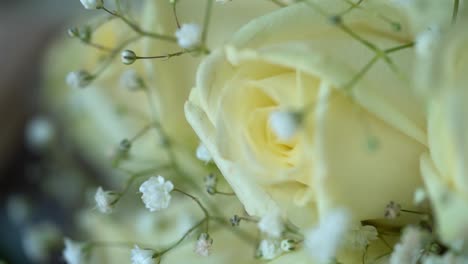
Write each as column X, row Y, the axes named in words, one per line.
column 167, row 56
column 361, row 73
column 142, row 132
column 456, row 5
column 138, row 30
column 195, row 199
column 97, row 46
column 206, row 21
column 398, row 48
column 278, row 3
column 193, row 228
column 413, row 212
column 95, row 244
column 174, row 10
column 224, row 193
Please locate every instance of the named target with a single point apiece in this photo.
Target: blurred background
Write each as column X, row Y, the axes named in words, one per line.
column 31, row 210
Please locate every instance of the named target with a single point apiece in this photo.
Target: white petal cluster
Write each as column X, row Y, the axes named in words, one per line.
column 156, row 193
column 360, row 237
column 78, row 79
column 203, row 245
column 92, row 4
column 269, row 249
column 203, row 154
column 188, row 35
column 73, row 252
column 284, row 124
column 271, row 224
column 105, row 200
column 324, row 241
column 409, row 249
column 142, row 256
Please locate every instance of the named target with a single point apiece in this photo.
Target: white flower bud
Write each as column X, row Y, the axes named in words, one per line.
column 156, row 193
column 419, row 196
column 92, row 4
column 203, row 154
column 128, row 57
column 142, row 256
column 268, row 249
column 203, row 245
column 284, row 124
column 130, row 80
column 39, row 133
column 189, row 36
column 78, row 79
column 288, row 245
column 73, row 252
column 105, row 200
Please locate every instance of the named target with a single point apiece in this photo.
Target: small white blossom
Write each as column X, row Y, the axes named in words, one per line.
column 288, row 245
column 92, row 4
column 78, row 79
column 142, row 256
column 426, row 41
column 156, row 193
column 203, row 245
column 269, row 249
column 392, row 210
column 189, row 36
column 39, row 132
column 360, row 237
column 272, row 224
column 73, row 252
column 105, row 200
column 409, row 249
column 39, row 239
column 131, row 81
column 419, row 196
column 325, row 240
column 203, row 154
column 284, row 124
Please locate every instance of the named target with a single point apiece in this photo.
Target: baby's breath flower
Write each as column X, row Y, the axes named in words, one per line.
column 131, row 81
column 284, row 124
column 211, row 182
column 203, row 154
column 392, row 210
column 78, row 79
column 203, row 245
column 189, row 35
column 359, row 238
column 156, row 193
column 235, row 220
column 268, row 249
column 426, row 41
column 288, row 245
column 128, row 57
column 324, row 241
column 409, row 249
column 92, row 4
column 73, row 252
column 419, row 196
column 271, row 224
column 105, row 200
column 142, row 256
column 39, row 132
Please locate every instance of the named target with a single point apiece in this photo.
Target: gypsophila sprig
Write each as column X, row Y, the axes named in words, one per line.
column 272, row 224
column 409, row 249
column 92, row 4
column 324, row 241
column 142, row 256
column 360, row 237
column 288, row 245
column 105, row 200
column 189, row 36
column 73, row 252
column 156, row 193
column 268, row 249
column 78, row 79
column 392, row 210
column 203, row 245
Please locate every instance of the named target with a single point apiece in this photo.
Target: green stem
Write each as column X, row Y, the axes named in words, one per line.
column 278, row 3
column 206, row 21
column 456, row 5
column 160, row 254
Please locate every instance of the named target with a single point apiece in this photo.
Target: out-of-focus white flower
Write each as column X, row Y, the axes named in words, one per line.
column 392, row 210
column 269, row 249
column 131, row 81
column 39, row 239
column 92, row 4
column 325, row 240
column 359, row 238
column 426, row 41
column 409, row 249
column 288, row 245
column 203, row 245
column 203, row 154
column 18, row 208
column 105, row 200
column 78, row 79
column 156, row 193
column 39, row 132
column 188, row 35
column 142, row 256
column 419, row 196
column 284, row 124
column 271, row 224
column 73, row 252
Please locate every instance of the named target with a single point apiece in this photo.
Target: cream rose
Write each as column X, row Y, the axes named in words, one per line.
column 444, row 168
column 295, row 59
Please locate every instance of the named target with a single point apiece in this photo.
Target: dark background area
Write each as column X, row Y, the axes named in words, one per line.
column 27, row 28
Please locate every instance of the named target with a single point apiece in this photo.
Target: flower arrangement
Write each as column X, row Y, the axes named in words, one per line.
column 243, row 131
